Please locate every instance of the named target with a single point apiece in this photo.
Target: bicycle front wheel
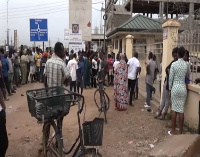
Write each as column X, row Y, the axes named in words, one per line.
column 90, row 152
column 52, row 146
column 99, row 99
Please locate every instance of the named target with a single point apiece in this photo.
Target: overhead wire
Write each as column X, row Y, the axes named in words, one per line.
column 33, row 6
column 29, row 13
column 35, row 14
column 35, row 9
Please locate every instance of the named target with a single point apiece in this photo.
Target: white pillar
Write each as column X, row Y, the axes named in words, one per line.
column 129, row 46
column 191, row 13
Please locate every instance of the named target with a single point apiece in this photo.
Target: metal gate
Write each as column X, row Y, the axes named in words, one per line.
column 190, row 40
column 144, row 49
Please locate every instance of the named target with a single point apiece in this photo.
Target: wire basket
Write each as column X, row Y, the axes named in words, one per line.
column 49, row 102
column 93, row 132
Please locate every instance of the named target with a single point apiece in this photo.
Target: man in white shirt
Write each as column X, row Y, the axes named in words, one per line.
column 94, row 71
column 133, row 71
column 73, row 66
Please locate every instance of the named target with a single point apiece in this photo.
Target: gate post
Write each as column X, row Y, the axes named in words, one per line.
column 129, row 46
column 170, row 39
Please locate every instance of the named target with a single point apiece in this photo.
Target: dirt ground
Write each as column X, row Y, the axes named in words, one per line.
column 129, row 133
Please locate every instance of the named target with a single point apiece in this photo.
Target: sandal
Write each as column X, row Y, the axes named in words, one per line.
column 6, row 99
column 169, row 133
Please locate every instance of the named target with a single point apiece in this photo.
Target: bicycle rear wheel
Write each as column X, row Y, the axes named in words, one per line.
column 98, row 100
column 52, row 146
column 89, row 152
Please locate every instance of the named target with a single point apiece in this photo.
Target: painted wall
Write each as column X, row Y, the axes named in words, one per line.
column 192, row 107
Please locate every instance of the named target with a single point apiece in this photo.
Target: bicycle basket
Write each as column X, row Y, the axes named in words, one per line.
column 47, row 103
column 93, row 132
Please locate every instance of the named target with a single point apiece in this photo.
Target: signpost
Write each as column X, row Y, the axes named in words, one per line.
column 38, row 30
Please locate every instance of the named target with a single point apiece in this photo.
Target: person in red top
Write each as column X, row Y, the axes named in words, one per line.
column 110, row 62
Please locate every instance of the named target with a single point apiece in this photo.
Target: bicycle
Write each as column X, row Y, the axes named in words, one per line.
column 104, row 104
column 51, row 104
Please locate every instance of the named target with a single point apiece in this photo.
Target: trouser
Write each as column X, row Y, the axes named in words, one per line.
column 3, row 134
column 24, row 73
column 131, row 87
column 93, row 80
column 10, row 80
column 149, row 90
column 110, row 76
column 42, row 74
column 37, row 73
column 7, row 84
column 153, row 89
column 136, row 90
column 73, row 85
column 102, row 76
column 165, row 99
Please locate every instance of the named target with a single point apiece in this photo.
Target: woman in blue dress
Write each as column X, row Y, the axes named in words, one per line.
column 177, row 88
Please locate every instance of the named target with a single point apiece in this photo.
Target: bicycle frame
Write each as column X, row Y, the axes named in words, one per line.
column 79, row 138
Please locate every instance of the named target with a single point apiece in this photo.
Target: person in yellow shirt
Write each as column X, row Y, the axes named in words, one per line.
column 37, row 60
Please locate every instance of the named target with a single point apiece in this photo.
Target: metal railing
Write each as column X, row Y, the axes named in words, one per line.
column 190, row 40
column 144, row 49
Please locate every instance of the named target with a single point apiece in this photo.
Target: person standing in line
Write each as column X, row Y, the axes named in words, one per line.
column 155, row 76
column 136, row 90
column 80, row 73
column 110, row 62
column 17, row 71
column 87, row 67
column 94, row 71
column 151, row 67
column 32, row 65
column 3, row 131
column 102, row 68
column 37, row 60
column 42, row 66
column 163, row 108
column 28, row 65
column 120, row 85
column 10, row 72
column 177, row 90
column 133, row 71
column 23, row 64
column 33, row 55
column 2, row 84
column 5, row 68
column 73, row 66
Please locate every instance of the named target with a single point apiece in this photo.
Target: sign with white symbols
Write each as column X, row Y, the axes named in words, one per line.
column 38, row 30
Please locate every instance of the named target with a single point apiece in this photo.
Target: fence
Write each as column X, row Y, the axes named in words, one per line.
column 144, row 49
column 191, row 41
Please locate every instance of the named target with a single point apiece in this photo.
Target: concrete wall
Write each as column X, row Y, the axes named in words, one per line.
column 192, row 107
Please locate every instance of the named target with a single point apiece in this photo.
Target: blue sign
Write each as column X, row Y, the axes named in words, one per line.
column 38, row 30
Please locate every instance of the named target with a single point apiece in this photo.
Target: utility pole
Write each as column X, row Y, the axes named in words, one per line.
column 7, row 26
column 104, row 36
column 112, row 22
column 100, row 32
column 11, row 41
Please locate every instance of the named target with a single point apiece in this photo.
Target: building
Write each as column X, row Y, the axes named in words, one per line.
column 135, row 35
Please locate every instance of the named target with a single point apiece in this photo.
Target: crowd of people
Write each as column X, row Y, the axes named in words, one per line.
column 81, row 70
